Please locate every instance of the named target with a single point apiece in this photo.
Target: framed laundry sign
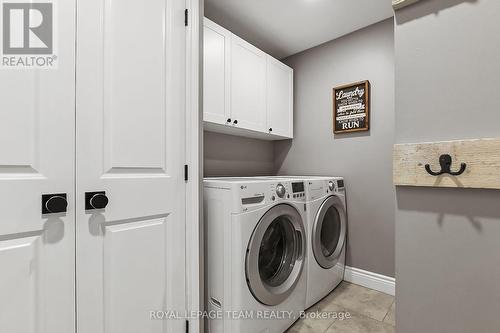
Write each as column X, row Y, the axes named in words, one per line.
column 351, row 107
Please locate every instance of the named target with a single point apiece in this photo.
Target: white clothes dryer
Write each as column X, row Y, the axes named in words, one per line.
column 327, row 235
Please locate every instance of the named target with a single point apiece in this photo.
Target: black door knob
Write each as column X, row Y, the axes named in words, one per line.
column 54, row 203
column 99, row 201
column 96, row 200
column 235, row 122
column 228, row 120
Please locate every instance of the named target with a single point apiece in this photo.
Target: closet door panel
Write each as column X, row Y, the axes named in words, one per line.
column 131, row 145
column 37, row 140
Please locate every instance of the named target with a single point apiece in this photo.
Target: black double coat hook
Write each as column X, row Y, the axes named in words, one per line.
column 445, row 162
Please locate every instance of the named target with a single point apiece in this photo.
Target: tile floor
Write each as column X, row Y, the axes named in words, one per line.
column 370, row 312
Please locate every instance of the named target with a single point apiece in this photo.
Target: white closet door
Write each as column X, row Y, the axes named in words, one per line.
column 248, row 85
column 279, row 98
column 131, row 145
column 216, row 66
column 37, row 136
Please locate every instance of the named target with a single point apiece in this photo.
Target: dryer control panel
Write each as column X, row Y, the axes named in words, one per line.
column 318, row 188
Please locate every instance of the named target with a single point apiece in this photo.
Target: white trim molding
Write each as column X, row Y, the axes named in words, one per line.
column 370, row 280
column 194, row 255
column 398, row 4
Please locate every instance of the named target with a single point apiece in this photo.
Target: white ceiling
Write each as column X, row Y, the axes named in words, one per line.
column 286, row 27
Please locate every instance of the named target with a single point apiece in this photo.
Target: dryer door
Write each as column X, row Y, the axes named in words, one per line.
column 329, row 232
column 275, row 255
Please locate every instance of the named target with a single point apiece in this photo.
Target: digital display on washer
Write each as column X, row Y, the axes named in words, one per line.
column 298, row 187
column 340, row 183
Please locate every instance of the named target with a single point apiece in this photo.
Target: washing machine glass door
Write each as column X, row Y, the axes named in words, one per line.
column 329, row 232
column 275, row 255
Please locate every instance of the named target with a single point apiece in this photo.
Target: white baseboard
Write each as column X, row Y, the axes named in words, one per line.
column 370, row 280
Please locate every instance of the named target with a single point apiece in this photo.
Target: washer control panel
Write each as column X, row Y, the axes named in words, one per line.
column 298, row 190
column 253, row 195
column 286, row 190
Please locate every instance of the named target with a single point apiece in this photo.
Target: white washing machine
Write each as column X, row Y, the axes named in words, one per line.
column 255, row 254
column 326, row 234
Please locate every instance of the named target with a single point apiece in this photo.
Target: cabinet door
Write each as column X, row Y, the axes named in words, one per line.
column 216, row 78
column 248, row 86
column 279, row 98
column 131, row 73
column 37, row 153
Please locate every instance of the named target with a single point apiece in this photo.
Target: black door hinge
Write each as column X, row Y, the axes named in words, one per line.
column 186, row 172
column 187, row 326
column 186, row 15
column 305, row 207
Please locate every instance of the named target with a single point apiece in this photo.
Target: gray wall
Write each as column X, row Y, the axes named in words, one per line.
column 365, row 159
column 227, row 155
column 447, row 240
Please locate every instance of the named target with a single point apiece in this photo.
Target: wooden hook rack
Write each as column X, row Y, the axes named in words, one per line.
column 481, row 157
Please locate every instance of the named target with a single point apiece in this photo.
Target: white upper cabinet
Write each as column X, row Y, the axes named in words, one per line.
column 216, row 79
column 248, row 85
column 279, row 98
column 246, row 92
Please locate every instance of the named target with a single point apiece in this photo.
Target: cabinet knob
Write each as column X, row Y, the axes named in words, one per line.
column 235, row 122
column 228, row 120
column 96, row 200
column 271, row 129
column 54, row 203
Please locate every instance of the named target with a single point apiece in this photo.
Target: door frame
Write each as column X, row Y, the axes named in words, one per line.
column 194, row 151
